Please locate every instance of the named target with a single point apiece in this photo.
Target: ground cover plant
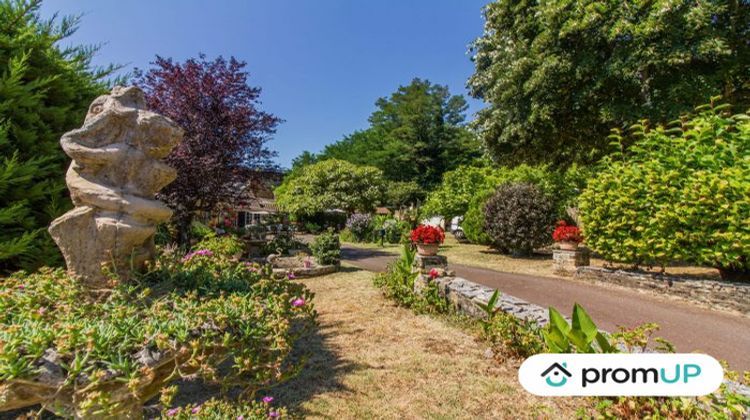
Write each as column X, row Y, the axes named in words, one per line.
column 680, row 193
column 186, row 316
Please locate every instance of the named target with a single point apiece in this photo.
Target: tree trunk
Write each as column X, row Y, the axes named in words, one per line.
column 183, row 229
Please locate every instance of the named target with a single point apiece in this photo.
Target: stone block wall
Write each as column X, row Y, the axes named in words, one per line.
column 733, row 296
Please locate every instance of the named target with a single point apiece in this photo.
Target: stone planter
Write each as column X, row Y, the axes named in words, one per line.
column 427, row 249
column 568, row 245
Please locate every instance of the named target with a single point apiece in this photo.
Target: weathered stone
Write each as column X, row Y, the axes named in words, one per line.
column 733, row 296
column 115, row 173
column 566, row 262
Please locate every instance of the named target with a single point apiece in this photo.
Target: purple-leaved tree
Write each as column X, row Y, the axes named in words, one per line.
column 225, row 132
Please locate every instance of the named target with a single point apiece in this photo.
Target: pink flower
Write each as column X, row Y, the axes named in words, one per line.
column 434, row 273
column 41, row 311
column 290, row 275
column 268, row 400
column 172, row 411
column 240, row 417
column 21, row 287
column 196, row 410
column 274, row 414
column 298, row 302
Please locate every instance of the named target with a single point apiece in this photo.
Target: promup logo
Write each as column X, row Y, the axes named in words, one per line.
column 557, row 374
column 643, row 374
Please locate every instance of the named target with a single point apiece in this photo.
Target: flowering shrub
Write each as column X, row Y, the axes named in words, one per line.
column 360, row 225
column 567, row 233
column 426, row 234
column 200, row 312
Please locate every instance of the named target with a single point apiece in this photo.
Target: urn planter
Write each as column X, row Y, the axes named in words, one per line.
column 568, row 245
column 427, row 249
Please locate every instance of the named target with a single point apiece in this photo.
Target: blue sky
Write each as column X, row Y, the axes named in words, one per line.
column 321, row 63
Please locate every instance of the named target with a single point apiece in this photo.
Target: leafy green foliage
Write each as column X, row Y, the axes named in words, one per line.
column 511, row 336
column 680, row 193
column 326, row 248
column 415, row 134
column 451, row 198
column 227, row 245
column 465, row 190
column 519, row 218
column 557, row 75
column 204, row 308
column 580, row 336
column 397, row 283
column 331, row 184
column 45, row 90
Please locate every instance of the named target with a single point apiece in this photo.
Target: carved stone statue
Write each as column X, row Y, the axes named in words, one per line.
column 115, row 173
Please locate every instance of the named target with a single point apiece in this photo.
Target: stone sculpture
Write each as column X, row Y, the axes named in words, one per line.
column 115, row 174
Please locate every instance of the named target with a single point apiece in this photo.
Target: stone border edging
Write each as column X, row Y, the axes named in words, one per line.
column 305, row 272
column 726, row 295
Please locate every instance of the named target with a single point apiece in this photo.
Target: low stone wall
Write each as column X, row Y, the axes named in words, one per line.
column 732, row 296
column 305, row 272
column 465, row 295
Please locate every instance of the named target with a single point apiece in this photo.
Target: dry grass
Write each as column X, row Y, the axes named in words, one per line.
column 371, row 359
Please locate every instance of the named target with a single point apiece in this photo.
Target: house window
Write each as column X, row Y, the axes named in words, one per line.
column 241, row 219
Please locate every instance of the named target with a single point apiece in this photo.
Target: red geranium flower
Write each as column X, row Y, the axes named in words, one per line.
column 567, row 233
column 426, row 234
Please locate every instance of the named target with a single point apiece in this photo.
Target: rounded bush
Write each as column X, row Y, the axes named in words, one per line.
column 519, row 218
column 360, row 225
column 678, row 194
column 326, row 248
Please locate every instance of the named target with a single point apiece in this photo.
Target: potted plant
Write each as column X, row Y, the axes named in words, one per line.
column 567, row 236
column 427, row 239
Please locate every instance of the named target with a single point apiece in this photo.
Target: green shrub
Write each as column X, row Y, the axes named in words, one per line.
column 326, row 248
column 393, row 229
column 473, row 223
column 203, row 307
column 200, row 231
column 346, row 235
column 397, row 283
column 677, row 194
column 227, row 245
column 519, row 218
column 511, row 336
column 313, row 228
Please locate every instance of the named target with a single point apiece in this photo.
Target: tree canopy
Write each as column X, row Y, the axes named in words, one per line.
column 225, row 131
column 331, row 184
column 415, row 134
column 45, row 90
column 558, row 75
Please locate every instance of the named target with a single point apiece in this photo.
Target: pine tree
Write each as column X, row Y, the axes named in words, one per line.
column 44, row 91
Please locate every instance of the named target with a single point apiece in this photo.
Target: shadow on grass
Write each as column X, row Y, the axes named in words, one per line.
column 321, row 373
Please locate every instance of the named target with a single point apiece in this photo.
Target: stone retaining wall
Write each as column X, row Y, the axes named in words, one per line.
column 732, row 296
column 465, row 294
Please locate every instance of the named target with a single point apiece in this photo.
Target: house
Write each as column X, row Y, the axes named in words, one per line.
column 253, row 202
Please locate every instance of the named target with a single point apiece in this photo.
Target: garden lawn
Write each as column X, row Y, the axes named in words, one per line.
column 371, row 358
